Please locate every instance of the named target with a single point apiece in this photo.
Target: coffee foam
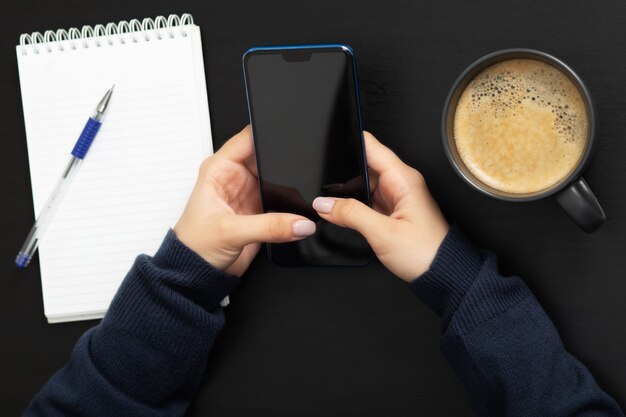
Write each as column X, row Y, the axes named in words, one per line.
column 521, row 126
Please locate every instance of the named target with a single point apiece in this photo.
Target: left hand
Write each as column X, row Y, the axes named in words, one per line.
column 222, row 221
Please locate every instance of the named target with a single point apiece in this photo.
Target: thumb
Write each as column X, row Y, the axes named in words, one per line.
column 351, row 213
column 267, row 228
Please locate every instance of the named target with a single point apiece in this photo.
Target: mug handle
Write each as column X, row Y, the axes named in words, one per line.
column 578, row 201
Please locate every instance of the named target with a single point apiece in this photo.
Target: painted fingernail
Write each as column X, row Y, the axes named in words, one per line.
column 323, row 204
column 303, row 228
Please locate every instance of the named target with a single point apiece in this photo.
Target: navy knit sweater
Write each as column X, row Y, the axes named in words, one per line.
column 147, row 356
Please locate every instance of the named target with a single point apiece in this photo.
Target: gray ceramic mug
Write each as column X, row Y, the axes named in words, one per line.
column 572, row 192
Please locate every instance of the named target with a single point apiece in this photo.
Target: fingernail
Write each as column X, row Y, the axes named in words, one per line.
column 323, row 204
column 303, row 228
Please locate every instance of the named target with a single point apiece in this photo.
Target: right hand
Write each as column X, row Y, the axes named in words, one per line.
column 405, row 226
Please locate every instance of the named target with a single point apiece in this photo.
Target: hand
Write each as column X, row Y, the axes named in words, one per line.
column 405, row 227
column 222, row 221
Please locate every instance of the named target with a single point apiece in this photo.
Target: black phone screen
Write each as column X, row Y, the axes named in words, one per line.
column 308, row 142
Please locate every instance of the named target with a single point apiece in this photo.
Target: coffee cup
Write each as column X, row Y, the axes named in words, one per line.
column 524, row 134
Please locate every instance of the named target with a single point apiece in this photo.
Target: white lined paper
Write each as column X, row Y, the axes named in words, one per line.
column 139, row 172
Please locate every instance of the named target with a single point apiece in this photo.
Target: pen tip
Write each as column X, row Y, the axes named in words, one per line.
column 113, row 87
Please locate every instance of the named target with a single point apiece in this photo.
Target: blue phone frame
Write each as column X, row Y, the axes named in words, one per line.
column 350, row 52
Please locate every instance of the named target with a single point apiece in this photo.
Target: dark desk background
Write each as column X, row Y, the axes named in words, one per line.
column 357, row 342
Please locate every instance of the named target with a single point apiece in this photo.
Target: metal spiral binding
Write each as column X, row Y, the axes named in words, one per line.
column 121, row 33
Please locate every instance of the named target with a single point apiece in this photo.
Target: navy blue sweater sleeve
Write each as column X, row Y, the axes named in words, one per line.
column 501, row 343
column 148, row 355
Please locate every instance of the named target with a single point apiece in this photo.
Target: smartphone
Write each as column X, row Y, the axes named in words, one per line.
column 303, row 104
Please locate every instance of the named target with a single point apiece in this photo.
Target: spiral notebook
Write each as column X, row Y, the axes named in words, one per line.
column 135, row 180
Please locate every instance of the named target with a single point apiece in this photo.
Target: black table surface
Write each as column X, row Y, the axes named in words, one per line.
column 356, row 341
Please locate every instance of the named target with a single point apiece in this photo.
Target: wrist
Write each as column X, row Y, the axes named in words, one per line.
column 416, row 257
column 176, row 256
column 196, row 240
column 437, row 236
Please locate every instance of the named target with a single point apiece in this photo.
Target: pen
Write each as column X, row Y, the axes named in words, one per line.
column 78, row 154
